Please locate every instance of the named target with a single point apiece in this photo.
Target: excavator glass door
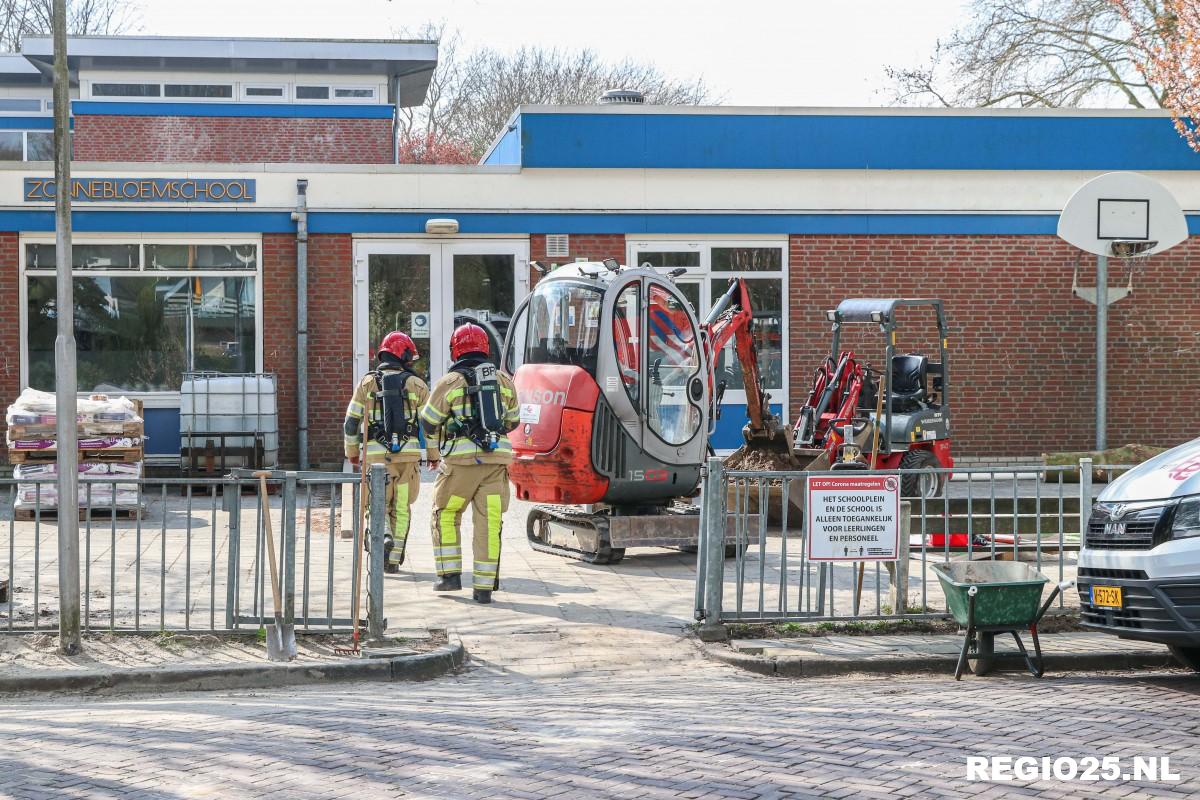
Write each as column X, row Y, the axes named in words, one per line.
column 673, row 361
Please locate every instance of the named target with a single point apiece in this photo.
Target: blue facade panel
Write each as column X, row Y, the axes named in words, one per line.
column 801, row 141
column 247, row 221
column 151, row 108
column 507, row 151
column 728, row 433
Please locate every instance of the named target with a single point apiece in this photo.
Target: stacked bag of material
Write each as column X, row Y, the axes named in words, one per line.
column 111, row 435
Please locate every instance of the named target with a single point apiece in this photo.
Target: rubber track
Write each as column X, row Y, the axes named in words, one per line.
column 574, row 519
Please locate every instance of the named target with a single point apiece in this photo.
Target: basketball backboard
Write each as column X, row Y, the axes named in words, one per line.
column 1122, row 207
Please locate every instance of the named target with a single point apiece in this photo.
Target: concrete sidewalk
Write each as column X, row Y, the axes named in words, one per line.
column 935, row 653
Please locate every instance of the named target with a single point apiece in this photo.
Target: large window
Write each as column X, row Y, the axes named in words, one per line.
column 710, row 266
column 26, row 146
column 146, row 312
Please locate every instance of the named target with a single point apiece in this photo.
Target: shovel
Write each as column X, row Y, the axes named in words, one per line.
column 281, row 639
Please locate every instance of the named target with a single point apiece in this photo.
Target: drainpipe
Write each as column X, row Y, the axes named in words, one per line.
column 300, row 217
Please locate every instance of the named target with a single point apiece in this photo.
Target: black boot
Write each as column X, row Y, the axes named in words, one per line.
column 391, row 566
column 483, row 596
column 449, row 583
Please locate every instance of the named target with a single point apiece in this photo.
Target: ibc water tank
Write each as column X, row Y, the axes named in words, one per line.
column 219, row 403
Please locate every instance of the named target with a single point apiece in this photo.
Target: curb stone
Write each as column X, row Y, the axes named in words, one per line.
column 798, row 667
column 420, row 667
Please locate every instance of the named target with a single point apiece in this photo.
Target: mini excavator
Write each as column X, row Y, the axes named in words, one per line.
column 615, row 378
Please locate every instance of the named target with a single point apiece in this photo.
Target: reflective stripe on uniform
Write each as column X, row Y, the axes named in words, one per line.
column 432, row 415
column 355, row 409
column 495, row 520
column 447, row 520
column 400, row 526
column 466, row 447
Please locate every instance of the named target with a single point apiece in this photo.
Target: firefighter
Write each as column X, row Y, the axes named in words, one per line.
column 389, row 399
column 469, row 413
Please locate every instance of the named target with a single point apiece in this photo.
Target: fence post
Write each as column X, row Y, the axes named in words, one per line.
column 1085, row 496
column 378, row 480
column 713, row 524
column 289, row 548
column 899, row 567
column 231, row 493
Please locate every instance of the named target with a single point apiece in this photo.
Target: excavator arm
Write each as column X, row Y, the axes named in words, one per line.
column 730, row 318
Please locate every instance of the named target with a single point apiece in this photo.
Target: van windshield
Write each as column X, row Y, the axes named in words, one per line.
column 564, row 325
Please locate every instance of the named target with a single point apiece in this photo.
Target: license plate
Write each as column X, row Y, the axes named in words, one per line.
column 1106, row 596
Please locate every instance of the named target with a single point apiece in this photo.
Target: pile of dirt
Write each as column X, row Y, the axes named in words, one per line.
column 761, row 460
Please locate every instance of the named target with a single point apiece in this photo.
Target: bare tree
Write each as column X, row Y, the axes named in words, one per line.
column 21, row 18
column 472, row 95
column 1029, row 53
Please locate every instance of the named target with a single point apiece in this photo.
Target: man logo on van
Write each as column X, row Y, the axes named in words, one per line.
column 651, row 475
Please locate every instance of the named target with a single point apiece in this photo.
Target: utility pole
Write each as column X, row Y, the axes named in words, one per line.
column 64, row 350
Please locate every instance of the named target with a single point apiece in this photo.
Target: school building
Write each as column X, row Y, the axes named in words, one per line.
column 206, row 169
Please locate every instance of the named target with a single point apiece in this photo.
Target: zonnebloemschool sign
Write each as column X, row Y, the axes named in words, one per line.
column 147, row 190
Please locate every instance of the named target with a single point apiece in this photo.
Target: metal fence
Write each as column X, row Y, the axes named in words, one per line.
column 1034, row 514
column 190, row 555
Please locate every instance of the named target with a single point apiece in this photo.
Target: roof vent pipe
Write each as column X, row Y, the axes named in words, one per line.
column 621, row 97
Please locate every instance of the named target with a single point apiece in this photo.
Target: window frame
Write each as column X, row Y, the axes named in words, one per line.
column 190, row 98
column 282, row 97
column 165, row 398
column 705, row 275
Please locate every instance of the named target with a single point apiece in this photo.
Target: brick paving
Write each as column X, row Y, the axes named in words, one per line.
column 694, row 731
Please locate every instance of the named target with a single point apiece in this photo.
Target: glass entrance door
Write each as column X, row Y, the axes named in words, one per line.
column 426, row 289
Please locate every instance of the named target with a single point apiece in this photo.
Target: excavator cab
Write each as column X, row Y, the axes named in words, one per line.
column 612, row 378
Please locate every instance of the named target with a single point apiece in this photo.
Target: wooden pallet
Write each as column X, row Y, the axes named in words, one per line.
column 99, row 512
column 120, row 454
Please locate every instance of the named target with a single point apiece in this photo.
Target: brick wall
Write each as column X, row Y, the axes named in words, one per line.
column 1022, row 347
column 590, row 246
column 10, row 334
column 232, row 139
column 330, row 339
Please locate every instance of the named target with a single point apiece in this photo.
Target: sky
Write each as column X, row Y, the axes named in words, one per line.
column 749, row 52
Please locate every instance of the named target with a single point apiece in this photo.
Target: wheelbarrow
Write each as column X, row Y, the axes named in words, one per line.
column 991, row 597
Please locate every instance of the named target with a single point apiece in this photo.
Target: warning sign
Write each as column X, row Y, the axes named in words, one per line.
column 855, row 518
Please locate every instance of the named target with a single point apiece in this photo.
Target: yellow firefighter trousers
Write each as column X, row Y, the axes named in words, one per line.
column 403, row 485
column 485, row 488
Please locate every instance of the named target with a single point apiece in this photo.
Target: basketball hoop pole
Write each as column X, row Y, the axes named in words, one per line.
column 1101, row 351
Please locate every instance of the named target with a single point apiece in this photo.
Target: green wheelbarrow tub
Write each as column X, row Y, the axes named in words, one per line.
column 1008, row 593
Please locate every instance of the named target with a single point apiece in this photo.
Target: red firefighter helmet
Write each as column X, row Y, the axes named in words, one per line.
column 468, row 339
column 400, row 345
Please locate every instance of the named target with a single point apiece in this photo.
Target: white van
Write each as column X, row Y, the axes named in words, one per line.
column 1139, row 567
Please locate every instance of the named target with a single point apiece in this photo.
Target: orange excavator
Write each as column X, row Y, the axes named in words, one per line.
column 615, row 379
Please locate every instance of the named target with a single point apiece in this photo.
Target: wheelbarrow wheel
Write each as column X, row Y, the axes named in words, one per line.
column 984, row 653
column 1188, row 656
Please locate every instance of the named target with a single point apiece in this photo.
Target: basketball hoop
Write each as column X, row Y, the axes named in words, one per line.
column 1135, row 254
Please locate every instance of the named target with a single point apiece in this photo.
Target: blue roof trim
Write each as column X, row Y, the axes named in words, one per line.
column 284, row 110
column 638, row 224
column 246, row 221
column 733, row 141
column 153, row 221
column 27, row 123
